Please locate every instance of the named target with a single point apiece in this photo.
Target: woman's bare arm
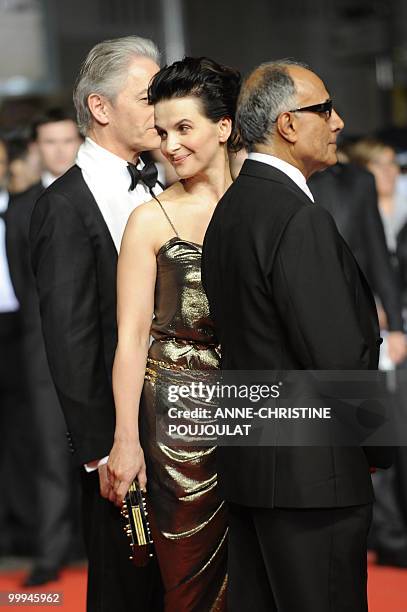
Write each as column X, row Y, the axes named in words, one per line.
column 136, row 276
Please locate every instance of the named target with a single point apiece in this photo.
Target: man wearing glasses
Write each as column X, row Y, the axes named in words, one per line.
column 286, row 294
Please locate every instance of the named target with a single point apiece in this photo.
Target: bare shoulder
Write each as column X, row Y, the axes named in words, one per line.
column 170, row 196
column 148, row 223
column 144, row 214
column 150, row 212
column 172, row 193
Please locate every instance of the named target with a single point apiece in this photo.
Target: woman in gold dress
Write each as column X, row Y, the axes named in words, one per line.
column 159, row 272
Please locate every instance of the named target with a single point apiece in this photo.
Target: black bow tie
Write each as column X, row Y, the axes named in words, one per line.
column 148, row 175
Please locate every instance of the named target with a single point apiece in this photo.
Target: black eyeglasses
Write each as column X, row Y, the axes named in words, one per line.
column 324, row 107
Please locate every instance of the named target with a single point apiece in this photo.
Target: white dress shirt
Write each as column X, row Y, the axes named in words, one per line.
column 47, row 179
column 8, row 300
column 291, row 171
column 109, row 180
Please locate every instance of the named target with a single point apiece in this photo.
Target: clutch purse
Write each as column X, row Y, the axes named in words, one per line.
column 137, row 527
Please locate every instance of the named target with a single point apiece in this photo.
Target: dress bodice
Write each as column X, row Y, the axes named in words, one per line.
column 181, row 307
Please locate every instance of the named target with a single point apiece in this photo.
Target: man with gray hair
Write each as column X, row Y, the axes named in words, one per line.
column 75, row 234
column 286, row 294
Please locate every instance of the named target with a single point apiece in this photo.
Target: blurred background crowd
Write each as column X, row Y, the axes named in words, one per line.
column 359, row 48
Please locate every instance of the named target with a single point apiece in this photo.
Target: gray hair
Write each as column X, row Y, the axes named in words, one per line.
column 104, row 72
column 268, row 91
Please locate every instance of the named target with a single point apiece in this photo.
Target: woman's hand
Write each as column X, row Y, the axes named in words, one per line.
column 126, row 462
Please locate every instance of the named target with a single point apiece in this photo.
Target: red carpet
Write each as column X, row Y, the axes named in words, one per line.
column 387, row 589
column 72, row 585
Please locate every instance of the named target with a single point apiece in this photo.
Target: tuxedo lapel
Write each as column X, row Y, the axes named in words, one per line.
column 259, row 170
column 92, row 216
column 105, row 258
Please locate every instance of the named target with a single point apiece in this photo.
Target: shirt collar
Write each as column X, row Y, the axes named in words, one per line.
column 291, row 171
column 4, row 198
column 47, row 178
column 105, row 165
column 104, row 156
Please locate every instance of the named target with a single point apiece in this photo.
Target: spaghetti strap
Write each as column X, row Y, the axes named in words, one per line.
column 166, row 215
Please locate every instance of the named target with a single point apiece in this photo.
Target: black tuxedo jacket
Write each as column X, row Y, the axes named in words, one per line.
column 74, row 261
column 401, row 252
column 349, row 193
column 286, row 293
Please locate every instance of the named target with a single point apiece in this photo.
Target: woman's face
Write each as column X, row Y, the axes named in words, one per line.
column 190, row 141
column 385, row 170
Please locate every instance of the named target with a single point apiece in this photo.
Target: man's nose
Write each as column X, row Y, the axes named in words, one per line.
column 336, row 121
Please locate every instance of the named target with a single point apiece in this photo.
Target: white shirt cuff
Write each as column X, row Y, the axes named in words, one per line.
column 91, row 466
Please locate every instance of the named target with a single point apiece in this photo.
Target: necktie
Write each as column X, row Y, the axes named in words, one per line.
column 147, row 175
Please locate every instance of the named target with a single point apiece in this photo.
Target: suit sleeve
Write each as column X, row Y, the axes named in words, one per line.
column 17, row 250
column 63, row 262
column 381, row 274
column 314, row 298
column 402, row 254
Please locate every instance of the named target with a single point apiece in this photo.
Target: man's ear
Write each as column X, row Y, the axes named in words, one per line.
column 99, row 107
column 225, row 129
column 287, row 127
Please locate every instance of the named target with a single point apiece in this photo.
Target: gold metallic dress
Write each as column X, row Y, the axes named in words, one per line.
column 187, row 518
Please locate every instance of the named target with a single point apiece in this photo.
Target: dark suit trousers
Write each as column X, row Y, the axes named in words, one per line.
column 114, row 584
column 298, row 560
column 57, row 496
column 17, row 524
column 54, row 477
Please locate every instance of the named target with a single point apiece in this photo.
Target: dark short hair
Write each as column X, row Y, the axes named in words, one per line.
column 52, row 115
column 17, row 147
column 215, row 85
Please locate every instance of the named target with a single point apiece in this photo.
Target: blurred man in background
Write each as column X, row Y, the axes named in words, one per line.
column 24, row 163
column 58, row 140
column 12, row 509
column 348, row 192
column 388, row 536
